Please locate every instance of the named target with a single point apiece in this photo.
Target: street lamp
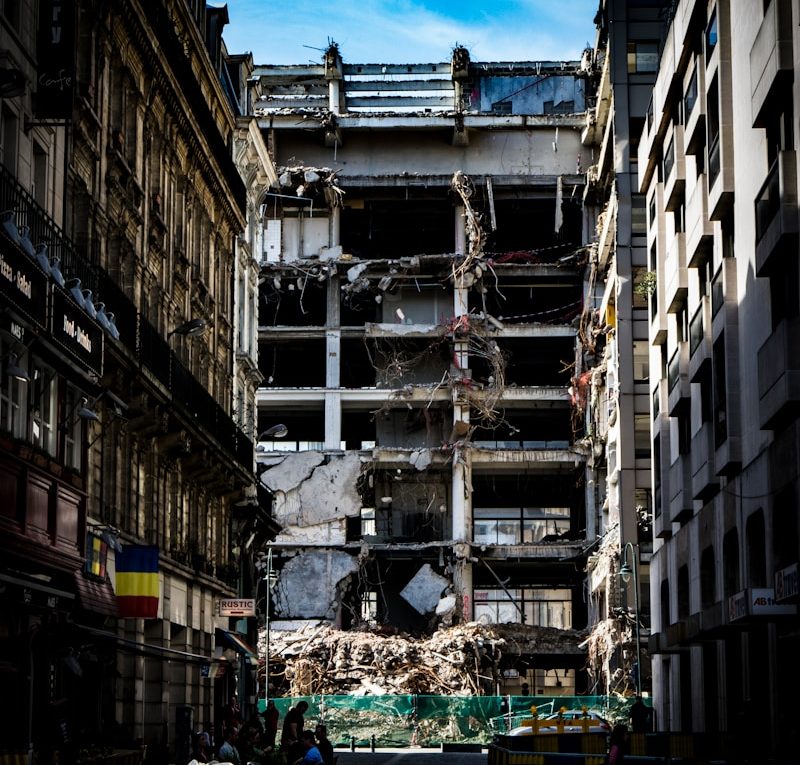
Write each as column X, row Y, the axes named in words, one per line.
column 269, row 579
column 625, row 572
column 190, row 328
column 276, row 431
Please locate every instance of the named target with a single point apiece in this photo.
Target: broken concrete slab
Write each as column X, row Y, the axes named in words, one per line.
column 424, row 590
column 308, row 584
column 421, row 458
column 291, row 471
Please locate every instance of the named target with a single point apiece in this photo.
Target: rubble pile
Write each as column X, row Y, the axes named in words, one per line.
column 460, row 660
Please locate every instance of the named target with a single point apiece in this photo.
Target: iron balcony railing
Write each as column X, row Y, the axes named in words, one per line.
column 145, row 343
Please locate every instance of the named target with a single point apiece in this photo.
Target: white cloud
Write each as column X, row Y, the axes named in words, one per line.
column 375, row 31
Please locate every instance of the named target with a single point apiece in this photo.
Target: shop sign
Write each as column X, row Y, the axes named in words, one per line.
column 237, row 606
column 76, row 332
column 23, row 284
column 756, row 601
column 55, row 56
column 786, row 583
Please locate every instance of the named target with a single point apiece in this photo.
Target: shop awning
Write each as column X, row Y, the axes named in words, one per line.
column 231, row 640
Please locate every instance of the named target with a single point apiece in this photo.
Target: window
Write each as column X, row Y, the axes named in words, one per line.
column 730, row 563
column 639, row 291
column 642, row 57
column 641, row 436
column 707, row 574
column 367, row 521
column 711, row 36
column 73, row 426
column 638, row 217
column 683, row 592
column 10, row 11
column 513, row 526
column 540, row 606
column 43, row 408
column 641, row 361
column 720, row 392
column 756, row 550
column 39, row 187
column 690, row 97
column 369, row 606
column 11, row 395
column 9, row 125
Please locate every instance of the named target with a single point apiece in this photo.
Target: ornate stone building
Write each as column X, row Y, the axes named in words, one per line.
column 125, row 170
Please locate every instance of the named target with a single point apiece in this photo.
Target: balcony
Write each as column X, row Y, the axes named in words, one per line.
column 704, row 478
column 662, row 525
column 771, row 58
column 699, row 229
column 140, row 340
column 676, row 274
column 700, row 340
column 678, row 377
column 776, row 215
column 779, row 376
column 680, row 484
column 674, row 170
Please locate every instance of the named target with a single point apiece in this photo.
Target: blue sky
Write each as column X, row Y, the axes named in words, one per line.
column 410, row 31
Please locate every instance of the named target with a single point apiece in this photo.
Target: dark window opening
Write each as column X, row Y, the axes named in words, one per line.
column 720, row 392
column 532, row 361
column 730, row 563
column 356, row 368
column 665, row 620
column 784, row 528
column 522, row 301
column 295, row 303
column 393, row 228
column 530, row 224
column 299, row 364
column 707, row 574
column 531, row 429
column 683, row 592
column 756, row 550
column 358, row 430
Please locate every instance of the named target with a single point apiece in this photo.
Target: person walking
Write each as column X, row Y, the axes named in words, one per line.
column 228, row 752
column 639, row 716
column 617, row 744
column 270, row 715
column 324, row 745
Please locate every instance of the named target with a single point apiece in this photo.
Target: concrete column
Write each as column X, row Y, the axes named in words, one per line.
column 461, row 230
column 336, row 226
column 333, row 420
column 462, row 581
column 333, row 95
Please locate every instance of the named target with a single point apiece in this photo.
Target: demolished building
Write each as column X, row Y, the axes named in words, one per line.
column 422, row 286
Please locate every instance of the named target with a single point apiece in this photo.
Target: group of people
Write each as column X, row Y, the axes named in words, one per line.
column 257, row 739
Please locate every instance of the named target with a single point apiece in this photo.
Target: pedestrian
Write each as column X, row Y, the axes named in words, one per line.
column 228, row 752
column 312, row 755
column 204, row 752
column 293, row 724
column 324, row 744
column 270, row 715
column 617, row 744
column 232, row 715
column 526, row 690
column 639, row 716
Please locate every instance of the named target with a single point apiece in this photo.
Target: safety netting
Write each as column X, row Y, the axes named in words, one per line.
column 416, row 720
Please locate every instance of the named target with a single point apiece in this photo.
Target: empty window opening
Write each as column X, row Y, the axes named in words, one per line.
column 299, row 364
column 292, row 302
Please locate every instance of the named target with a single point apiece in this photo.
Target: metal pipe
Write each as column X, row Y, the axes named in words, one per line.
column 625, row 570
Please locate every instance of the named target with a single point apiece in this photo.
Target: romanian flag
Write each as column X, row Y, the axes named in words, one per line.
column 137, row 581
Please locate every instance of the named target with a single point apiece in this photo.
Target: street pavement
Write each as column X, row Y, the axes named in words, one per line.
column 408, row 757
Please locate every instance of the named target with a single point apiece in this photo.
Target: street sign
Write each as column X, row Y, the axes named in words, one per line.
column 236, row 606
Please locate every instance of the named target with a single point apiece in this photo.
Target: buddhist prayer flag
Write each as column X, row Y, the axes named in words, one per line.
column 137, row 581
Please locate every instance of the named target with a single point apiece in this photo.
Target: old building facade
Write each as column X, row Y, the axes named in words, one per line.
column 718, row 168
column 125, row 386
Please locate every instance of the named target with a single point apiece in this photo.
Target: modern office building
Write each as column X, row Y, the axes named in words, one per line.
column 423, row 268
column 718, row 170
column 613, row 379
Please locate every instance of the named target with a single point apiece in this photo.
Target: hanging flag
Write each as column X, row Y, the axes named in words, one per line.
column 137, row 581
column 96, row 555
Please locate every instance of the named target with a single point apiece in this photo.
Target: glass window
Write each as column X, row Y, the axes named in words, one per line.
column 642, row 57
column 72, row 429
column 43, row 408
column 711, row 35
column 11, row 393
column 638, row 215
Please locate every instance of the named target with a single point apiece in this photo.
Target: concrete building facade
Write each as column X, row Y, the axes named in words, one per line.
column 613, row 380
column 718, row 168
column 423, row 267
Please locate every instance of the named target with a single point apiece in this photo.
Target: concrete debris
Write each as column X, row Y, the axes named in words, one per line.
column 424, row 590
column 461, row 660
column 309, row 584
column 314, row 494
column 420, row 459
column 446, row 605
column 355, row 271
